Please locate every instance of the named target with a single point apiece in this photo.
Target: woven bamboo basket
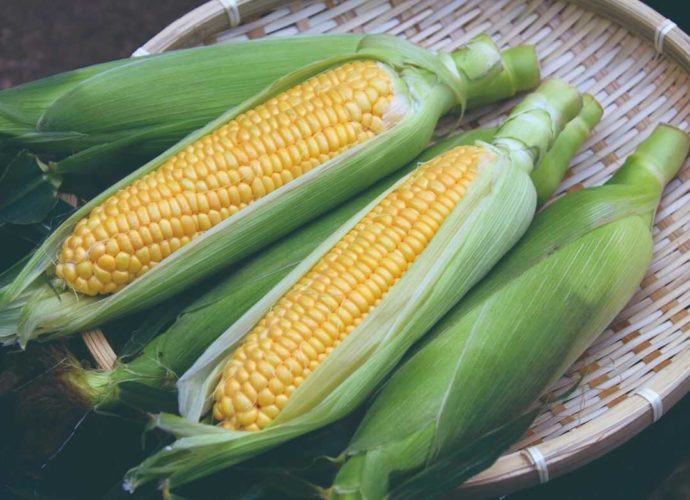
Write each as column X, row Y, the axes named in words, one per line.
column 637, row 64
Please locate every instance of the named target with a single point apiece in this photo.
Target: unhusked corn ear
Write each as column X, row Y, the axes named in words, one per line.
column 517, row 331
column 223, row 172
column 328, row 302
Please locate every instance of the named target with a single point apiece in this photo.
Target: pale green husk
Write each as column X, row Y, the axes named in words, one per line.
column 494, row 213
column 493, row 355
column 429, row 82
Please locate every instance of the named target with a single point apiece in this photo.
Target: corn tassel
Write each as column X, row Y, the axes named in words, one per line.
column 490, row 216
column 498, row 350
column 207, row 241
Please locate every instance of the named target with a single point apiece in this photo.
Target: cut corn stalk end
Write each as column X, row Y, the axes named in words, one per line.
column 521, row 72
column 551, row 171
column 656, row 160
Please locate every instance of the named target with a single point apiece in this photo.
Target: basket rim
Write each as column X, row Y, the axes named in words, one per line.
column 579, row 446
column 215, row 15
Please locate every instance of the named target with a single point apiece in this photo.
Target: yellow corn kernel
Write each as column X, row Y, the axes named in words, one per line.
column 330, row 300
column 223, row 172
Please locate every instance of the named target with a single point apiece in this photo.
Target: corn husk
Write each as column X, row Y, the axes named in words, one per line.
column 548, row 176
column 486, row 363
column 493, row 214
column 22, row 106
column 429, row 85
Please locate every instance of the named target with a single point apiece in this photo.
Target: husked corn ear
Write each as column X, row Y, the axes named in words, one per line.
column 220, row 174
column 328, row 303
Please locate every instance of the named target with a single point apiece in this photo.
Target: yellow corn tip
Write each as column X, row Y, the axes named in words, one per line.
column 328, row 303
column 220, row 174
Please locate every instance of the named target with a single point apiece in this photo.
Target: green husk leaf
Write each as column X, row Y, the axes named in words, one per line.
column 28, row 190
column 466, row 461
column 151, row 326
column 6, row 156
column 52, row 143
column 21, row 106
column 121, row 99
column 25, row 238
column 113, row 157
column 8, row 274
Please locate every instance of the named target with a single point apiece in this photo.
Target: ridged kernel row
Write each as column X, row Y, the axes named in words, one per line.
column 212, row 179
column 328, row 303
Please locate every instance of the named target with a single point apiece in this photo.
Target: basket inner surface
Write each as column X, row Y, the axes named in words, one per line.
column 638, row 89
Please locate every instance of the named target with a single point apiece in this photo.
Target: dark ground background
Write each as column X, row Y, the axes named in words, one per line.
column 43, row 37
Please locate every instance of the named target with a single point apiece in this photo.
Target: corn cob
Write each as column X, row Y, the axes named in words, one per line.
column 148, row 381
column 497, row 351
column 328, row 303
column 177, row 198
column 482, row 223
column 104, row 120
